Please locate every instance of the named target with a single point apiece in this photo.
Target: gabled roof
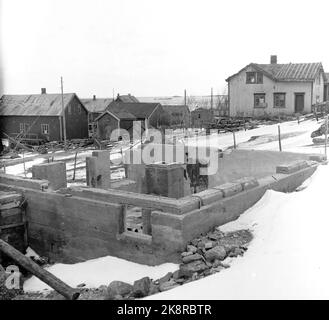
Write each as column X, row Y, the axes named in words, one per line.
column 127, row 98
column 120, row 115
column 175, row 108
column 287, row 72
column 96, row 105
column 34, row 104
column 137, row 109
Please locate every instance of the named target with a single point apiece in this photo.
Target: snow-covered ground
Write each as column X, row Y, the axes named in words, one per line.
column 102, row 271
column 288, row 257
column 295, row 138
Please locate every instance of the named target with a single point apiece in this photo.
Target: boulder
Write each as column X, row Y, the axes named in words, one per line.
column 218, row 253
column 236, row 252
column 116, row 288
column 141, row 287
column 208, row 245
column 187, row 270
column 185, row 254
column 168, row 285
column 191, row 248
column 165, row 278
column 154, row 288
column 193, row 257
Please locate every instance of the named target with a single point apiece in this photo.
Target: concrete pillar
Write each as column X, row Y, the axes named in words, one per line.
column 98, row 170
column 54, row 172
column 165, row 179
column 146, row 219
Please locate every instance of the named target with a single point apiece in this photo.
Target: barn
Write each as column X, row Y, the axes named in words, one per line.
column 39, row 117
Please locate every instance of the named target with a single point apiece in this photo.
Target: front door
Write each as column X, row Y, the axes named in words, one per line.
column 299, row 102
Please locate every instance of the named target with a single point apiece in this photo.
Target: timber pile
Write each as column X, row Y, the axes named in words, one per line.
column 13, row 220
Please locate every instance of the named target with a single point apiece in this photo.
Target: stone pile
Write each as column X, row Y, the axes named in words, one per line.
column 203, row 256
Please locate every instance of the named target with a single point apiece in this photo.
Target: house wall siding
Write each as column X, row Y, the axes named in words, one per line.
column 76, row 121
column 201, row 117
column 242, row 95
column 11, row 125
column 157, row 117
column 105, row 126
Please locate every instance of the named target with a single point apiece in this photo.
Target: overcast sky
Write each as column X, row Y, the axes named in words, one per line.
column 152, row 47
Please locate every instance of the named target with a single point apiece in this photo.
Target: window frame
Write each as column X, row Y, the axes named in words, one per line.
column 43, row 125
column 260, row 94
column 21, row 128
column 258, row 77
column 276, row 94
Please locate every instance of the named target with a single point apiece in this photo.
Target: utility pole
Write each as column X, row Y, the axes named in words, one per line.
column 326, row 136
column 185, row 98
column 211, row 99
column 63, row 114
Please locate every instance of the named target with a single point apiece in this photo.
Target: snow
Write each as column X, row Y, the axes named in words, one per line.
column 102, row 271
column 295, row 138
column 288, row 257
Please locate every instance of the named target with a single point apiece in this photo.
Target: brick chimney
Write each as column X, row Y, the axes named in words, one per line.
column 43, row 91
column 274, row 59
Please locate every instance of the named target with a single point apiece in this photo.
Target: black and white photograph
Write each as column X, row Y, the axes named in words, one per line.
column 164, row 151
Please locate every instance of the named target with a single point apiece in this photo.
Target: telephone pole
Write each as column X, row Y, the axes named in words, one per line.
column 63, row 114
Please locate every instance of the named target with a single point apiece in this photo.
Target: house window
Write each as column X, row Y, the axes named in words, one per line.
column 259, row 100
column 254, row 77
column 279, row 100
column 199, row 115
column 79, row 109
column 21, row 127
column 45, row 128
column 69, row 111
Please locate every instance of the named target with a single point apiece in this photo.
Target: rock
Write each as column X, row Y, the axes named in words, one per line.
column 186, row 254
column 193, row 257
column 236, row 252
column 208, row 245
column 217, row 263
column 175, row 275
column 194, row 276
column 168, row 285
column 187, row 270
column 180, row 280
column 118, row 297
column 165, row 278
column 81, row 285
column 218, row 253
column 116, row 288
column 191, row 248
column 154, row 288
column 207, row 272
column 141, row 287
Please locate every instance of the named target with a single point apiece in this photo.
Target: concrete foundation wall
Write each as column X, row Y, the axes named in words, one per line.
column 76, row 224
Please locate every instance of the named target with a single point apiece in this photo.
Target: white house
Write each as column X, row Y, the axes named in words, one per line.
column 259, row 90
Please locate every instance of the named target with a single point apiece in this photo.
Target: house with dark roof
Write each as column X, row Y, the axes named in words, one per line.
column 95, row 107
column 260, row 90
column 123, row 114
column 126, row 98
column 38, row 117
column 179, row 116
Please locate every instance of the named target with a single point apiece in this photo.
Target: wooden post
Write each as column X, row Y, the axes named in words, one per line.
column 279, row 131
column 63, row 114
column 326, row 137
column 234, row 140
column 75, row 165
column 45, row 276
column 24, row 164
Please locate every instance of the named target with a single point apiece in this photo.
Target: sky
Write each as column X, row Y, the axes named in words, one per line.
column 151, row 47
